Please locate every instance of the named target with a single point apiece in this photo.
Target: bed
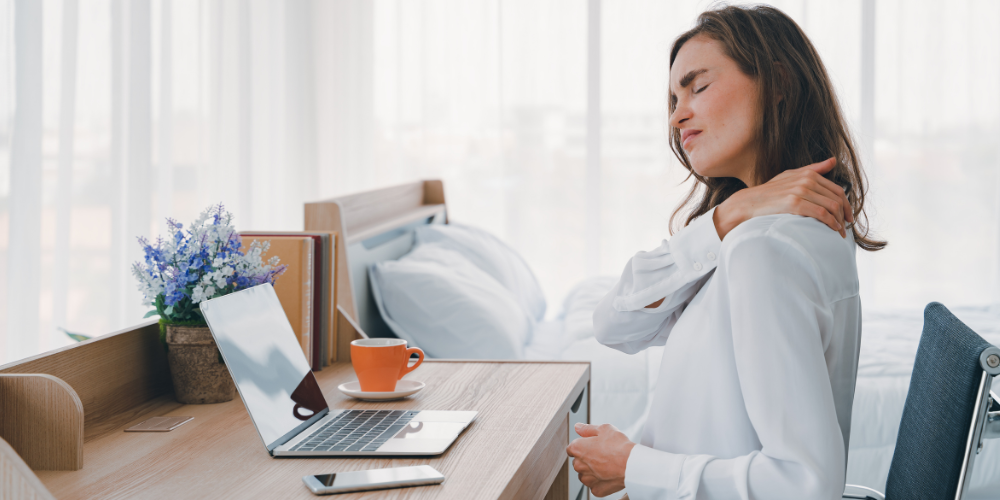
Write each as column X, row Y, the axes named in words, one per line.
column 380, row 226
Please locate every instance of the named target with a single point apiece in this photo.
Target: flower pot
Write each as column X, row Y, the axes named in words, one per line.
column 196, row 367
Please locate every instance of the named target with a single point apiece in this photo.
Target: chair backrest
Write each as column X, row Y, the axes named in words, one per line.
column 934, row 429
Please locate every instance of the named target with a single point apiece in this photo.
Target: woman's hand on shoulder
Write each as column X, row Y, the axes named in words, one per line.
column 801, row 191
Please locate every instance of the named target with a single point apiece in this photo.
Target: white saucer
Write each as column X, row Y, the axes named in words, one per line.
column 403, row 388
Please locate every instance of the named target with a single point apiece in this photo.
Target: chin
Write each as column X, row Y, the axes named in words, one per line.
column 710, row 167
column 705, row 169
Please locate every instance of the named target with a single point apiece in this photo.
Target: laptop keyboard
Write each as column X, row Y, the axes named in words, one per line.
column 357, row 430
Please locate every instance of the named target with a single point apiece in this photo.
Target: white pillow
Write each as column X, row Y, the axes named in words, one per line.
column 494, row 257
column 440, row 302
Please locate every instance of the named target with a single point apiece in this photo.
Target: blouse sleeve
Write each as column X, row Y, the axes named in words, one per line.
column 674, row 271
column 777, row 305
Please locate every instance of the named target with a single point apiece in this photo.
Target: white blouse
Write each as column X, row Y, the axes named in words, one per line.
column 761, row 334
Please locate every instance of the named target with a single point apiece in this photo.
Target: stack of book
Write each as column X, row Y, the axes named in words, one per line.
column 307, row 290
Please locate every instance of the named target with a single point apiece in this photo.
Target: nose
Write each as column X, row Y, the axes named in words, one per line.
column 681, row 114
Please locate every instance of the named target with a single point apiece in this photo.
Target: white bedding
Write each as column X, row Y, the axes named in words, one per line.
column 622, row 385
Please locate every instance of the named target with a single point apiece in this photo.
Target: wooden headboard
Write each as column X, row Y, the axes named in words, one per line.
column 374, row 226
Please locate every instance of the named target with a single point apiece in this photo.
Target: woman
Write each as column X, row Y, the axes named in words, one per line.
column 755, row 299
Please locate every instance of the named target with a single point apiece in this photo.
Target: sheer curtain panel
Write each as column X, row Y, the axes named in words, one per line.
column 546, row 120
column 115, row 114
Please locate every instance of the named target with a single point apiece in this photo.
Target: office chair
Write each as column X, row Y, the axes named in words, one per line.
column 949, row 410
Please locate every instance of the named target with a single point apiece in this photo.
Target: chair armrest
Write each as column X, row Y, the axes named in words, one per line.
column 862, row 493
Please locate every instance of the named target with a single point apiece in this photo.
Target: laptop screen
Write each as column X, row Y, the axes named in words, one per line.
column 266, row 361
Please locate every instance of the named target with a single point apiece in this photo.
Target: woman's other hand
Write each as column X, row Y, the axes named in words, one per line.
column 600, row 456
column 801, row 191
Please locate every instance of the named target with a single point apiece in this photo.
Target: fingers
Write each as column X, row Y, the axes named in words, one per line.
column 839, row 194
column 585, row 430
column 573, row 449
column 833, row 196
column 588, row 480
column 824, row 200
column 608, row 428
column 815, row 172
column 604, row 488
column 821, row 214
column 823, row 166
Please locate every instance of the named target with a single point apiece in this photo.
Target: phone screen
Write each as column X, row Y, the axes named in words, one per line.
column 373, row 479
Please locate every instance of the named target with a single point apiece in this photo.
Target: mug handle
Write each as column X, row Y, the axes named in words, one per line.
column 295, row 411
column 406, row 360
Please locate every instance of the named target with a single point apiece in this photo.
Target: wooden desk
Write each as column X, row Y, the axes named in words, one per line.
column 514, row 449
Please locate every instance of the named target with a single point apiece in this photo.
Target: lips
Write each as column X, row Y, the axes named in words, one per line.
column 687, row 135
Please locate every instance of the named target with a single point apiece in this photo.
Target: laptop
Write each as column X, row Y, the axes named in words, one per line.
column 285, row 402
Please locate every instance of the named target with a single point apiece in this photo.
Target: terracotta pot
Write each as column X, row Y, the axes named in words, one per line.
column 196, row 366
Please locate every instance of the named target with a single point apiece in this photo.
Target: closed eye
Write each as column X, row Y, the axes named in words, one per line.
column 701, row 89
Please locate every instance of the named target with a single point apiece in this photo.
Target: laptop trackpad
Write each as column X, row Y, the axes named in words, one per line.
column 423, row 437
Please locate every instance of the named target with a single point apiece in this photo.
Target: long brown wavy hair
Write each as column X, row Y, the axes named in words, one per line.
column 801, row 121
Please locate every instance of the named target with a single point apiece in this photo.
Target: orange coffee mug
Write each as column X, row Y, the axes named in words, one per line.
column 380, row 363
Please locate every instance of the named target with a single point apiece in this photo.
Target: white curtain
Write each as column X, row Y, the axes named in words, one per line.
column 546, row 120
column 115, row 114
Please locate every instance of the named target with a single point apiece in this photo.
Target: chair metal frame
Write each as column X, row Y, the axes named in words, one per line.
column 985, row 424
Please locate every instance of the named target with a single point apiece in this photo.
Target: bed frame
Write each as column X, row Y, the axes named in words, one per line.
column 374, row 226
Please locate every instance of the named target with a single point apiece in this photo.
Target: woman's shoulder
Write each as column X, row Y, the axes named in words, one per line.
column 784, row 240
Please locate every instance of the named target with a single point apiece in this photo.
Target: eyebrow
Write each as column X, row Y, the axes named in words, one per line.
column 688, row 78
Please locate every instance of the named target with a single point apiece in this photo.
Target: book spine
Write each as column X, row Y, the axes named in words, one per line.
column 307, row 298
column 317, row 305
column 331, row 287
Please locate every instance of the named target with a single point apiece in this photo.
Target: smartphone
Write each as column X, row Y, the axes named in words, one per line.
column 374, row 479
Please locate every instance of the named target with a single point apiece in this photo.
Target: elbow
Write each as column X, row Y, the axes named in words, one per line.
column 604, row 326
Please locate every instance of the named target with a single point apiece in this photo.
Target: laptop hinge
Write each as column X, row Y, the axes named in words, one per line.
column 300, row 430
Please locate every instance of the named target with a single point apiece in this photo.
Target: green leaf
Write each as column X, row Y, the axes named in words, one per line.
column 170, row 310
column 152, row 313
column 75, row 336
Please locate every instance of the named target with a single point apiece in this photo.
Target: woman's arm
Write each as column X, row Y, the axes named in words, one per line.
column 777, row 306
column 655, row 287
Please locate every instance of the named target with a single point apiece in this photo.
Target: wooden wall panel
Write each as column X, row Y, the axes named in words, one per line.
column 42, row 419
column 116, row 376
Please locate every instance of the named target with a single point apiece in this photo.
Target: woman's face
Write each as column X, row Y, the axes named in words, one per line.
column 716, row 110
